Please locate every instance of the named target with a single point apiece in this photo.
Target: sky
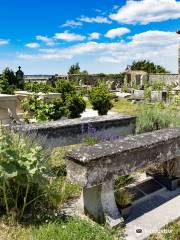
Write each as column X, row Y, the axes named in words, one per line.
column 46, row 37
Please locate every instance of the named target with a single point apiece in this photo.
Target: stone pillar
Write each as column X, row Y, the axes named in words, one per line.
column 177, row 167
column 99, row 203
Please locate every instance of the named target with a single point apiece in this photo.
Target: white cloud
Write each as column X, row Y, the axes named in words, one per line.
column 72, row 23
column 46, row 40
column 94, row 35
column 67, row 36
column 4, row 42
column 97, row 19
column 116, row 32
column 146, row 11
column 32, row 45
column 158, row 46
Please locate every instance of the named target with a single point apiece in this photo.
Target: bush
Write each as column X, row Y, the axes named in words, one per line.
column 43, row 110
column 23, row 167
column 100, row 98
column 158, row 85
column 38, row 87
column 153, row 118
column 75, row 105
column 8, row 81
column 65, row 87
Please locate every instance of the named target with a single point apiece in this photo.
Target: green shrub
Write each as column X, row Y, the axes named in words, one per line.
column 38, row 87
column 153, row 118
column 23, row 167
column 65, row 87
column 8, row 81
column 100, row 98
column 158, row 85
column 75, row 105
column 43, row 110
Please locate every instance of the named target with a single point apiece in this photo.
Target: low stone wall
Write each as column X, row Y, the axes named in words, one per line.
column 167, row 78
column 73, row 131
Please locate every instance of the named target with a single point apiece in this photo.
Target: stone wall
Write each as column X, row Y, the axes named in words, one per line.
column 92, row 79
column 167, row 78
column 73, row 131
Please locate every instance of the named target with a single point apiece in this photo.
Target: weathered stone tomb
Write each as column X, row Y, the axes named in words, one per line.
column 95, row 167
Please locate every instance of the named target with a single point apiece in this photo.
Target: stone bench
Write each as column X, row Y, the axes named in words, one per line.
column 95, row 167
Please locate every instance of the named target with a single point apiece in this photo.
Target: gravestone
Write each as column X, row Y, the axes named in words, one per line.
column 20, row 77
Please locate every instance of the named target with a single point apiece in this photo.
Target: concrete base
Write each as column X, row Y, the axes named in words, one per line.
column 99, row 203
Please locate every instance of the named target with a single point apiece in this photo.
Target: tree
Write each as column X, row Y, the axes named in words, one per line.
column 147, row 66
column 9, row 75
column 8, row 81
column 74, row 69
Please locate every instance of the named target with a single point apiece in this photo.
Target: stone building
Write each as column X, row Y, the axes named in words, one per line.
column 135, row 78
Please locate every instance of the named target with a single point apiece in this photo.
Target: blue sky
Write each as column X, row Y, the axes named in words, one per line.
column 103, row 36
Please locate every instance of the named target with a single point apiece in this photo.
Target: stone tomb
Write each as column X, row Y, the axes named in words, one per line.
column 8, row 105
column 95, row 167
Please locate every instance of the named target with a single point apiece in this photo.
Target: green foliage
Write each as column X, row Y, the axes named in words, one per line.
column 100, row 98
column 147, row 66
column 158, row 85
column 65, row 87
column 123, row 181
column 58, row 162
column 153, row 118
column 147, row 92
column 123, row 198
column 74, row 69
column 73, row 101
column 169, row 232
column 75, row 105
column 68, row 229
column 8, row 81
column 38, row 87
column 90, row 140
column 23, row 165
column 125, row 89
column 43, row 110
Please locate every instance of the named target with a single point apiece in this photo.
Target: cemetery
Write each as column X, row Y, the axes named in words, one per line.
column 119, row 156
column 90, row 156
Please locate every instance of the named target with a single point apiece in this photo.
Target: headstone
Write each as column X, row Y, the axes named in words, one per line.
column 20, row 77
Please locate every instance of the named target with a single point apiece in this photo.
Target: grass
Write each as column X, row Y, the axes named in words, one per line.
column 169, row 232
column 68, row 229
column 126, row 107
column 122, row 106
